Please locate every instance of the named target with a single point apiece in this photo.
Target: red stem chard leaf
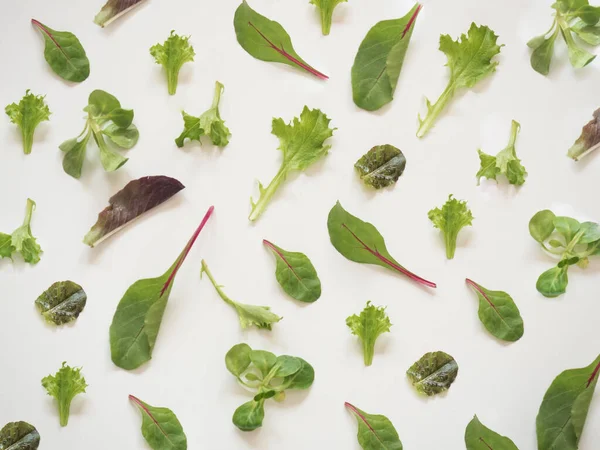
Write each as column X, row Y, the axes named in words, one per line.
column 375, row 432
column 267, row 40
column 136, row 322
column 27, row 115
column 64, row 386
column 19, row 436
column 498, row 313
column 136, row 198
column 64, row 53
column 433, row 373
column 589, row 139
column 381, row 166
column 361, row 242
column 295, row 274
column 565, row 407
column 379, row 61
column 113, row 9
column 160, row 427
column 62, row 302
column 480, row 437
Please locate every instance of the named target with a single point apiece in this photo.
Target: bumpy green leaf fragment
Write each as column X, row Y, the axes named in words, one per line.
column 505, row 162
column 19, row 436
column 64, row 386
column 375, row 432
column 368, row 326
column 381, row 166
column 62, row 302
column 433, row 373
column 172, row 55
column 160, row 427
column 326, row 8
column 21, row 240
column 450, row 219
column 27, row 115
column 480, row 437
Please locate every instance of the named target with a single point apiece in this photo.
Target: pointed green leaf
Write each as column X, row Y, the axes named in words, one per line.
column 375, row 432
column 160, row 427
column 480, row 437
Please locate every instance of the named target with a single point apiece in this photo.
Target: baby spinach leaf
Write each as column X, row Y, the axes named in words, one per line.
column 62, row 302
column 113, row 9
column 19, row 436
column 137, row 320
column 172, row 55
column 263, row 360
column 296, row 274
column 250, row 415
column 160, row 427
column 498, row 313
column 589, row 140
column 563, row 411
column 136, row 198
column 237, row 359
column 326, row 8
column 27, row 115
column 480, row 437
column 64, row 386
column 64, row 53
column 360, row 242
column 372, row 322
column 450, row 219
column 302, row 143
column 375, row 432
column 267, row 40
column 21, row 240
column 379, row 60
column 541, row 225
column 381, row 166
column 249, row 315
column 433, row 373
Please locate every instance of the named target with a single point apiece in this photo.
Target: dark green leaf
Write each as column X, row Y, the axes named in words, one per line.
column 62, row 302
column 589, row 140
column 160, row 427
column 19, row 436
column 553, row 282
column 433, row 373
column 381, row 166
column 237, row 359
column 250, row 415
column 541, row 225
column 480, row 437
column 113, row 9
column 375, row 432
column 287, row 365
column 264, row 396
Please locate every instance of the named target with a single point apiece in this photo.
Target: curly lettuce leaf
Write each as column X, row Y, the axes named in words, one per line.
column 450, row 219
column 326, row 8
column 368, row 326
column 505, row 162
column 172, row 55
column 27, row 115
column 589, row 140
column 64, row 386
column 113, row 9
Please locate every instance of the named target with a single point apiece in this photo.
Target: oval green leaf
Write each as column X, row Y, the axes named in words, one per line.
column 433, row 373
column 381, row 166
column 160, row 427
column 302, row 379
column 263, row 360
column 541, row 225
column 375, row 432
column 287, row 365
column 19, row 436
column 249, row 416
column 237, row 359
column 62, row 302
column 553, row 282
column 480, row 437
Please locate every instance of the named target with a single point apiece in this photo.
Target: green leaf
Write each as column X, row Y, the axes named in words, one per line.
column 62, row 302
column 160, row 427
column 237, row 359
column 541, row 57
column 590, row 232
column 450, row 219
column 172, row 55
column 64, row 386
column 209, row 124
column 249, row 315
column 372, row 323
column 498, row 313
column 296, row 274
column 138, row 317
column 470, row 61
column 326, row 8
column 263, row 360
column 360, row 242
column 64, row 53
column 122, row 137
column 287, row 365
column 74, row 155
column 375, row 432
column 564, row 409
column 267, row 40
column 379, row 60
column 19, row 436
column 381, row 166
column 250, row 415
column 433, row 373
column 577, row 56
column 553, row 282
column 505, row 162
column 480, row 437
column 110, row 159
column 6, row 247
column 113, row 9
column 302, row 379
column 27, row 115
column 567, row 226
column 488, row 167
column 23, row 241
column 589, row 140
column 302, row 143
column 589, row 34
column 541, row 225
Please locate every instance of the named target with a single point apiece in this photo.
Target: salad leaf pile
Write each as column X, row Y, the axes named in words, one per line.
column 21, row 240
column 27, row 115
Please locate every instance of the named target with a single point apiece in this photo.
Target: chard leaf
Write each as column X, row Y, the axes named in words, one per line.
column 23, row 241
column 19, row 436
column 303, row 143
column 160, row 427
column 172, row 55
column 589, row 140
column 64, row 53
column 480, row 437
column 64, row 386
column 379, row 61
column 249, row 315
column 553, row 282
column 381, row 166
column 113, row 9
column 433, row 373
column 62, row 302
column 326, row 8
column 470, row 60
column 296, row 274
column 564, row 409
column 375, row 432
column 136, row 198
column 27, row 115
column 360, row 242
column 137, row 320
column 450, row 219
column 267, row 40
column 372, row 323
column 498, row 313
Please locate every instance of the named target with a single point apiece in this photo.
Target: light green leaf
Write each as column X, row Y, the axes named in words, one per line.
column 287, row 365
column 27, row 115
column 23, row 241
column 326, row 8
column 505, row 162
column 375, row 432
column 450, row 219
column 237, row 359
column 122, row 137
column 368, row 326
column 433, row 373
column 62, row 302
column 553, row 282
column 567, row 226
column 160, row 427
column 541, row 57
column 577, row 56
column 480, row 437
column 590, row 232
column 172, row 55
column 263, row 360
column 381, row 166
column 64, row 386
column 541, row 225
column 588, row 34
column 302, row 379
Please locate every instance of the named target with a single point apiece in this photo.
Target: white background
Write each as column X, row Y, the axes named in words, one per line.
column 502, row 383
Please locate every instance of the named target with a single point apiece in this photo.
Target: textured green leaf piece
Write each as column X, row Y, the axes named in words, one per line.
column 21, row 240
column 267, row 40
column 113, row 9
column 160, row 427
column 498, row 313
column 480, row 437
column 64, row 53
column 368, row 326
column 27, row 115
column 563, row 411
column 172, row 55
column 138, row 317
column 19, row 436
column 326, row 8
column 361, row 242
column 64, row 386
column 379, row 61
column 375, row 432
column 296, row 274
column 433, row 373
column 6, row 247
column 589, row 140
column 62, row 302
column 381, row 166
column 450, row 219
